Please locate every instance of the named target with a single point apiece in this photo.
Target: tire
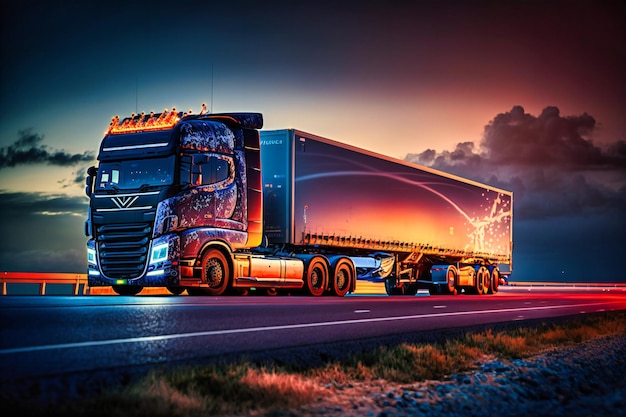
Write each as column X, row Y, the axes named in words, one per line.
column 215, row 272
column 176, row 290
column 127, row 289
column 272, row 292
column 343, row 274
column 482, row 280
column 451, row 278
column 195, row 291
column 390, row 289
column 495, row 281
column 316, row 277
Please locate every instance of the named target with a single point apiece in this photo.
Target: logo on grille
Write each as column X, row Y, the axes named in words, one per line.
column 124, row 202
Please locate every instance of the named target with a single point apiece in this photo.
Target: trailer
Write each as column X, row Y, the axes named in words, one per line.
column 407, row 225
column 210, row 204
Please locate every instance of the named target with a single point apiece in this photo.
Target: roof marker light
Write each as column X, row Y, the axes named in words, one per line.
column 143, row 122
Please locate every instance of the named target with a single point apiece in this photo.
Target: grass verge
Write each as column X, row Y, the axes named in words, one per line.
column 249, row 388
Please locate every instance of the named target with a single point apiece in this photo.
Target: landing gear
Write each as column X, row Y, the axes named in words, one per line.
column 391, row 288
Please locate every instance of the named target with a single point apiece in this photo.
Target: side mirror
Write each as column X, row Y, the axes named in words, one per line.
column 91, row 174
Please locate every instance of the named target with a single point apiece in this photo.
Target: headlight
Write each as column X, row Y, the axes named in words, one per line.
column 159, row 253
column 91, row 256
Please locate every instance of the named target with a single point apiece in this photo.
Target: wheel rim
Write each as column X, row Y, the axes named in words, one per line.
column 342, row 279
column 317, row 277
column 486, row 281
column 214, row 273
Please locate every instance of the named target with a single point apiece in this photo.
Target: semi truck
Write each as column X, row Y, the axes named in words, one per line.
column 212, row 205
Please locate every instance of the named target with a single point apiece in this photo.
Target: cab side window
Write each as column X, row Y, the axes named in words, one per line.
column 208, row 170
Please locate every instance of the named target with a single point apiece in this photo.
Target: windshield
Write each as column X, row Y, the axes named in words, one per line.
column 136, row 173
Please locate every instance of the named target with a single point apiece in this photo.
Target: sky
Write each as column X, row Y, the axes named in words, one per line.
column 528, row 96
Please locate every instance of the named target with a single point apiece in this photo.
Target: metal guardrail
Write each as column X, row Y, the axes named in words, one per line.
column 566, row 284
column 79, row 284
column 43, row 279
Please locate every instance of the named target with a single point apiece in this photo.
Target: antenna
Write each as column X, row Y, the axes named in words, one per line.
column 211, row 108
column 136, row 95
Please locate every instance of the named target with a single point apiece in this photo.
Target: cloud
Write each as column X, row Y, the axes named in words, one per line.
column 569, row 194
column 28, row 149
column 78, row 178
column 549, row 161
column 19, row 205
column 42, row 232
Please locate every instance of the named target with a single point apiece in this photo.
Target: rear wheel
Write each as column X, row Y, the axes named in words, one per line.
column 495, row 281
column 127, row 289
column 482, row 281
column 451, row 281
column 343, row 274
column 215, row 272
column 316, row 277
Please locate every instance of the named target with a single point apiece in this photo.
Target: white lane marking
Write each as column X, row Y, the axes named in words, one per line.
column 440, row 306
column 281, row 327
column 361, row 311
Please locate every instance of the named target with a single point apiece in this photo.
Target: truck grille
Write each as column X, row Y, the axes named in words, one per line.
column 123, row 249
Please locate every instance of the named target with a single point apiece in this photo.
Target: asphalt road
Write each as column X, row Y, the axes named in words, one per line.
column 54, row 335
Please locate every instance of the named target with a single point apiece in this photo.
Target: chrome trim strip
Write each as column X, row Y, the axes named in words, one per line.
column 125, row 209
column 125, row 148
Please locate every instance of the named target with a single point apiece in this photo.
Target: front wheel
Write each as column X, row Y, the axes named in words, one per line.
column 127, row 289
column 215, row 272
column 176, row 290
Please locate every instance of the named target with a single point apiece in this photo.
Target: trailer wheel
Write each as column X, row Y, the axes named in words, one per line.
column 316, row 277
column 451, row 279
column 495, row 281
column 127, row 289
column 215, row 272
column 482, row 281
column 343, row 274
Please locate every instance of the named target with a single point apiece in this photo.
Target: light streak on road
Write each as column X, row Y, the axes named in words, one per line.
column 96, row 343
